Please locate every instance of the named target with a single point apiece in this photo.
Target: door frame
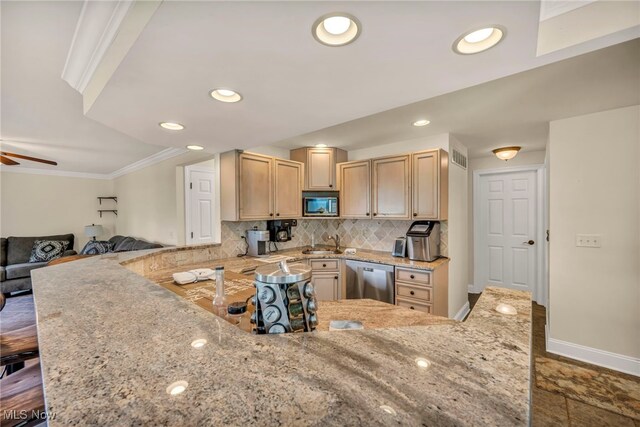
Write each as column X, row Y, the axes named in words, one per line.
column 540, row 288
column 216, row 200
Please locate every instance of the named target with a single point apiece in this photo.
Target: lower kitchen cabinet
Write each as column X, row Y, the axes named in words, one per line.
column 325, row 276
column 423, row 290
column 326, row 286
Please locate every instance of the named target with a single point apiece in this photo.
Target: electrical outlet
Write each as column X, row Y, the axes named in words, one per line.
column 588, row 240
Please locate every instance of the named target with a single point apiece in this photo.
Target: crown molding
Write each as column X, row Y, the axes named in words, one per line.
column 53, row 172
column 140, row 164
column 96, row 29
column 552, row 8
column 148, row 161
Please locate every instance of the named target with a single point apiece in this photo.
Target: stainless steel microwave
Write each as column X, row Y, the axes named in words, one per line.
column 320, row 206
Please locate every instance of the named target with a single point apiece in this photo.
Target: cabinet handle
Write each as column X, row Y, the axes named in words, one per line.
column 330, row 185
column 324, row 265
column 412, row 293
column 336, row 277
column 415, row 214
column 367, row 214
column 412, row 276
column 271, row 214
column 375, row 214
column 412, row 308
column 277, row 214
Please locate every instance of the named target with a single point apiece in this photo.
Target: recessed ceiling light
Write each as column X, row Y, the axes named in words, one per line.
column 171, row 126
column 195, row 147
column 321, row 145
column 225, row 95
column 177, row 387
column 479, row 40
column 506, row 153
column 422, row 122
column 336, row 29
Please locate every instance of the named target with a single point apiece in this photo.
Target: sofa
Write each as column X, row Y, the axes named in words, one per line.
column 15, row 268
column 128, row 243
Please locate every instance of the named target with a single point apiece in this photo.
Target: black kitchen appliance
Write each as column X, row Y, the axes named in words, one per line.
column 280, row 230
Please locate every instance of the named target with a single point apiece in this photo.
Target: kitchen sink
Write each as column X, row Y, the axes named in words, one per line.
column 310, row 251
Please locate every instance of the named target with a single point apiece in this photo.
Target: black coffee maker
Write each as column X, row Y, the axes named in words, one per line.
column 280, row 230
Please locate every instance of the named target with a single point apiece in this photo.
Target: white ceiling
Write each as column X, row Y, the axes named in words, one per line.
column 514, row 110
column 41, row 114
column 291, row 84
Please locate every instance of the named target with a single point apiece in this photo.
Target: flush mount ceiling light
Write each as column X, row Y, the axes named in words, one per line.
column 479, row 40
column 506, row 153
column 321, row 145
column 336, row 29
column 225, row 95
column 171, row 126
column 421, row 122
column 195, row 147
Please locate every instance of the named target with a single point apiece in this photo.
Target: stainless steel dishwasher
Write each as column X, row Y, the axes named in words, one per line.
column 370, row 280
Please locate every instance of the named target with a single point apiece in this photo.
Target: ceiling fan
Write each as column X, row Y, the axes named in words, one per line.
column 5, row 160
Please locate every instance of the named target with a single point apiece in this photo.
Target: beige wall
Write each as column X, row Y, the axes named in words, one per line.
column 595, row 189
column 526, row 158
column 33, row 205
column 148, row 205
column 401, row 147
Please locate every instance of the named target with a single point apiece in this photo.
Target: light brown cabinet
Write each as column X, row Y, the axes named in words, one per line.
column 423, row 290
column 320, row 166
column 390, row 187
column 255, row 187
column 430, row 182
column 355, row 189
column 287, row 188
column 325, row 277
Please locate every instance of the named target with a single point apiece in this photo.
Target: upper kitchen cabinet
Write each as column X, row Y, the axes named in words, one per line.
column 320, row 166
column 256, row 187
column 288, row 177
column 390, row 187
column 430, row 184
column 355, row 189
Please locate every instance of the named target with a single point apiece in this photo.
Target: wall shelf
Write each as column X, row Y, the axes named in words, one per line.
column 115, row 212
column 100, row 199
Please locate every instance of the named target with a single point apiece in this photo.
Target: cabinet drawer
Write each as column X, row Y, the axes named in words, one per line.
column 324, row 264
column 413, row 305
column 417, row 292
column 419, row 277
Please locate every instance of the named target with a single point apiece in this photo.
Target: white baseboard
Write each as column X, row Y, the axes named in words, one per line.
column 473, row 289
column 617, row 362
column 462, row 313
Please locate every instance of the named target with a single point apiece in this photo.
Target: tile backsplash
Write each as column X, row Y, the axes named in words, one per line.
column 377, row 235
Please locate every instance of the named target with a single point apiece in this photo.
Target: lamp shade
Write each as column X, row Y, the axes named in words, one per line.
column 92, row 230
column 506, row 153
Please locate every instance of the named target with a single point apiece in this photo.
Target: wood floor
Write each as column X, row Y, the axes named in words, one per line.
column 548, row 408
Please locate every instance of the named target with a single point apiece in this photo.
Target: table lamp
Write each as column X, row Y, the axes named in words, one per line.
column 92, row 231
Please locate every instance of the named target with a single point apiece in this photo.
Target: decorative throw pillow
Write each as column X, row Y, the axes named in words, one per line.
column 96, row 247
column 46, row 250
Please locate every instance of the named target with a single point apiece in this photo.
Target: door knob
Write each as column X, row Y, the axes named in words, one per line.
column 529, row 242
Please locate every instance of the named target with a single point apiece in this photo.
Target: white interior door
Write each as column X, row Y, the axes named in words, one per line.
column 201, row 199
column 506, row 252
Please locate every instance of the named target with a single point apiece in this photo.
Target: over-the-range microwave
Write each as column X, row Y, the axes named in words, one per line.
column 320, row 206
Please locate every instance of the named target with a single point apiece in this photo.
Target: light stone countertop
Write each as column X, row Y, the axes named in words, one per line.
column 111, row 342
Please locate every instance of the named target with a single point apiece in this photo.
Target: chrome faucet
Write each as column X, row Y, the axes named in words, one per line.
column 336, row 239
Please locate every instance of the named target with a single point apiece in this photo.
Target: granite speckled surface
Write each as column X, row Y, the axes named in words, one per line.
column 111, row 342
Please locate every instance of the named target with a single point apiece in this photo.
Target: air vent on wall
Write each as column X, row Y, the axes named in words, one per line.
column 459, row 159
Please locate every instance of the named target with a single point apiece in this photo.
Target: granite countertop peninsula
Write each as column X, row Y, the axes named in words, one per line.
column 112, row 341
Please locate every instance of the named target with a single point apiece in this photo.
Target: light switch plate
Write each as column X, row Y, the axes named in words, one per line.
column 588, row 240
